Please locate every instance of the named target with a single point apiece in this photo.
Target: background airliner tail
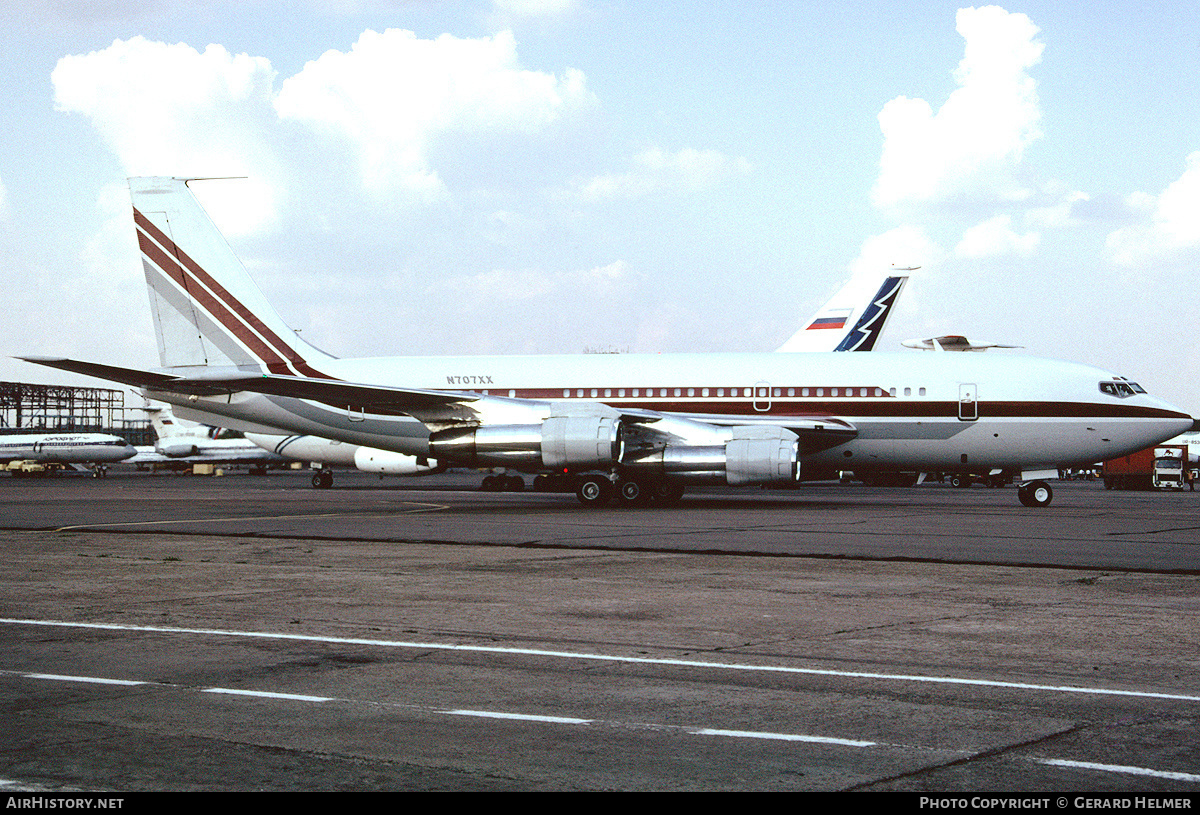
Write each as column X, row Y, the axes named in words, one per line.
column 850, row 321
column 207, row 310
column 873, row 318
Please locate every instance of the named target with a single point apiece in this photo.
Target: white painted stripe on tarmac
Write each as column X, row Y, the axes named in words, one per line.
column 570, row 720
column 686, row 663
column 521, row 717
column 94, row 680
column 482, row 714
column 291, row 697
column 1118, row 768
column 754, row 734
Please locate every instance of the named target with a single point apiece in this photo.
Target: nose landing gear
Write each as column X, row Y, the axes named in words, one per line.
column 1035, row 494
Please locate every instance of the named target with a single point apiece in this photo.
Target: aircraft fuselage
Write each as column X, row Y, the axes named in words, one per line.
column 910, row 411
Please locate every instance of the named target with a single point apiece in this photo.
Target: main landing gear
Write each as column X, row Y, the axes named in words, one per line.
column 322, row 479
column 502, row 483
column 597, row 489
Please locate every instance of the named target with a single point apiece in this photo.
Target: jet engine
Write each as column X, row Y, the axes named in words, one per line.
column 560, row 442
column 176, row 449
column 386, row 462
column 755, row 455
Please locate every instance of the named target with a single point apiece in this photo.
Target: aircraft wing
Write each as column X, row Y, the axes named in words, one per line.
column 211, row 381
column 439, row 409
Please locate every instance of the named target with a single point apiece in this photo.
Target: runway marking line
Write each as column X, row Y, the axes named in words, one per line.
column 754, row 734
column 1118, row 768
column 478, row 714
column 292, row 697
column 521, row 717
column 571, row 720
column 685, row 663
column 95, row 680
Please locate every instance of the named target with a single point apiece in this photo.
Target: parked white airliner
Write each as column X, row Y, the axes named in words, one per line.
column 642, row 424
column 187, row 444
column 65, row 448
column 847, row 322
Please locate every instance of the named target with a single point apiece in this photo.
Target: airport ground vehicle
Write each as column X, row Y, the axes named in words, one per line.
column 1160, row 468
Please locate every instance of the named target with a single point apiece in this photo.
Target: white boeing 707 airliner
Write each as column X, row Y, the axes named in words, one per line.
column 848, row 322
column 635, row 425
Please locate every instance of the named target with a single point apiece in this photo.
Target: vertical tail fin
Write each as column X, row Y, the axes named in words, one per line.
column 207, row 310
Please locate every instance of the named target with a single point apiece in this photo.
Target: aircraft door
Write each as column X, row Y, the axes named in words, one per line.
column 968, row 403
column 762, row 396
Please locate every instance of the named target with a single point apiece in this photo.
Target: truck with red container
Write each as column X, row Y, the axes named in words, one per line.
column 1156, row 468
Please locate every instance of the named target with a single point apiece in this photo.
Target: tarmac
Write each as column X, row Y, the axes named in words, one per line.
column 165, row 632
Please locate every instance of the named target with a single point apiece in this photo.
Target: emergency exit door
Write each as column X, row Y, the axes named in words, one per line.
column 968, row 403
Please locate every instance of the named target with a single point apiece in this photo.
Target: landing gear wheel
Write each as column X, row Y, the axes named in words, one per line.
column 1035, row 494
column 960, row 480
column 594, row 490
column 322, row 480
column 634, row 493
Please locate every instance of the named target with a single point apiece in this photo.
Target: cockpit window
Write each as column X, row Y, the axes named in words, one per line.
column 1122, row 388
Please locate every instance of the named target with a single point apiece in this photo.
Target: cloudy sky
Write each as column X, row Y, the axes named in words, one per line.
column 554, row 176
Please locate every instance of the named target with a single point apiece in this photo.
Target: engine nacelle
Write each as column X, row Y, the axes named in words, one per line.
column 762, row 461
column 581, row 442
column 176, row 449
column 560, row 442
column 755, row 455
column 371, row 460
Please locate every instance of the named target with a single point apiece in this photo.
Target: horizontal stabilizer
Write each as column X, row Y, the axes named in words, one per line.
column 952, row 342
column 126, row 376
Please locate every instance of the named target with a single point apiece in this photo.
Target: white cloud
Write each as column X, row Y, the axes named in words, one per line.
column 1062, row 212
column 534, row 8
column 904, row 246
column 488, row 289
column 393, row 95
column 656, row 169
column 1171, row 221
column 993, row 237
column 533, row 310
column 968, row 149
column 171, row 110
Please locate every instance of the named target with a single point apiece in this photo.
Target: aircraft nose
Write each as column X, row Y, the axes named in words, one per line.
column 1177, row 420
